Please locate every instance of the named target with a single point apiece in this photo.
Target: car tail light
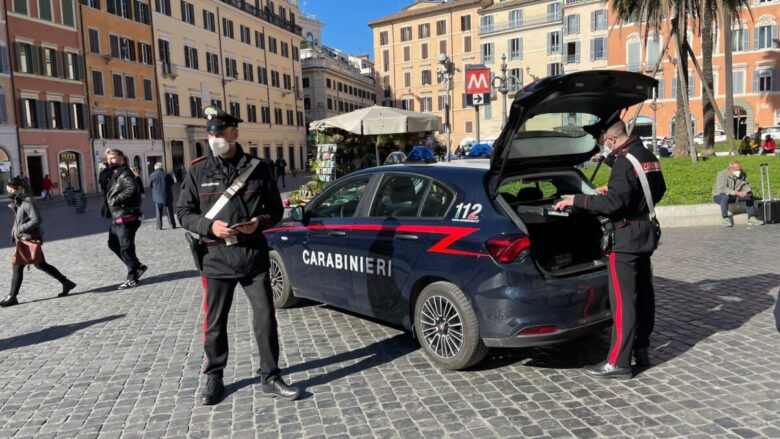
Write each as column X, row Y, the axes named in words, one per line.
column 539, row 330
column 507, row 248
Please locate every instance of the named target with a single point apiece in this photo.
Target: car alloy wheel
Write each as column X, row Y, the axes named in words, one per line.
column 441, row 326
column 277, row 280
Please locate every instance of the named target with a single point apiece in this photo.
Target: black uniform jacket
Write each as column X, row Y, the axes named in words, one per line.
column 206, row 180
column 123, row 196
column 624, row 203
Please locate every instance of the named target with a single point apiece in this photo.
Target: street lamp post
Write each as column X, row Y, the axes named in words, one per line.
column 505, row 83
column 446, row 71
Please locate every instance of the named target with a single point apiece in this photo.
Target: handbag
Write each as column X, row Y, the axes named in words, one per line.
column 195, row 244
column 640, row 172
column 28, row 252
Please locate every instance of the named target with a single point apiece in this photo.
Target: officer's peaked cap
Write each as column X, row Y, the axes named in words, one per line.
column 218, row 120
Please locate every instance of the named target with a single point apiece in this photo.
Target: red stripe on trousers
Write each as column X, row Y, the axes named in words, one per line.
column 618, row 320
column 205, row 306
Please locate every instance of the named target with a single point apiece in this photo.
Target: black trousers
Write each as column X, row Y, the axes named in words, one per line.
column 121, row 241
column 169, row 211
column 632, row 299
column 18, row 275
column 218, row 297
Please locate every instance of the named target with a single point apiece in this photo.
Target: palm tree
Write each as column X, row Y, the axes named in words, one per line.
column 654, row 14
column 711, row 10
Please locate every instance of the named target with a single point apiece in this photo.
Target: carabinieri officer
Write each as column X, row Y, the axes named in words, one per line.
column 631, row 293
column 233, row 253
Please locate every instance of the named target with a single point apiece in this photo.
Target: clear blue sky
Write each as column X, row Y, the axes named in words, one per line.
column 346, row 21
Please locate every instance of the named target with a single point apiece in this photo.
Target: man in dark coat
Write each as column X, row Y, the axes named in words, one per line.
column 123, row 198
column 234, row 250
column 161, row 183
column 631, row 293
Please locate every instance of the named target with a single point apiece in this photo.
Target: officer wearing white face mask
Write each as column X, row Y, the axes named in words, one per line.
column 730, row 186
column 229, row 198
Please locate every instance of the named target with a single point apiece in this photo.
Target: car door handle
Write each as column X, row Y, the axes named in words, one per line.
column 337, row 233
column 407, row 237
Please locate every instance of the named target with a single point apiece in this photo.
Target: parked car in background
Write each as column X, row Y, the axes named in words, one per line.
column 720, row 136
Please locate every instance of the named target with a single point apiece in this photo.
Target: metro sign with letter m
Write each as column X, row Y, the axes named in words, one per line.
column 477, row 81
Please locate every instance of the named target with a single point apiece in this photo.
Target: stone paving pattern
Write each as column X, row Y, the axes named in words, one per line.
column 108, row 363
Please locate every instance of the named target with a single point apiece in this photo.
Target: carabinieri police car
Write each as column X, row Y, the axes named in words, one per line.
column 468, row 254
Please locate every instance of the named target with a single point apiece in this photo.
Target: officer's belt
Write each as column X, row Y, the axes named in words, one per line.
column 634, row 219
column 217, row 242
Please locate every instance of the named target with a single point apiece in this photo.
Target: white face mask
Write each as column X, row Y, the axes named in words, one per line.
column 737, row 173
column 219, row 146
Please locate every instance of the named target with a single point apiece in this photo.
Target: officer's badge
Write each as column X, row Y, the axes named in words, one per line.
column 210, row 112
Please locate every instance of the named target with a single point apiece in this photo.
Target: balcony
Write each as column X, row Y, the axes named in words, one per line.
column 518, row 24
column 265, row 14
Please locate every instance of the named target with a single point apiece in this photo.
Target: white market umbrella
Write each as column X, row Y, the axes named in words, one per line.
column 378, row 120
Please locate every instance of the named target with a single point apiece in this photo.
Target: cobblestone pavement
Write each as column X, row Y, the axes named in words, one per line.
column 110, row 363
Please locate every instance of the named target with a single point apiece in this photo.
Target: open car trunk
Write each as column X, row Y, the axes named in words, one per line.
column 562, row 243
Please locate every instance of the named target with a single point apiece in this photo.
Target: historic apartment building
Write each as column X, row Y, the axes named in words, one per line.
column 9, row 146
column 406, row 50
column 335, row 83
column 121, row 79
column 48, row 87
column 241, row 57
column 755, row 58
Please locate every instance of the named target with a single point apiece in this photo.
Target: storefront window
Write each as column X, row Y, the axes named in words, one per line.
column 5, row 170
column 70, row 170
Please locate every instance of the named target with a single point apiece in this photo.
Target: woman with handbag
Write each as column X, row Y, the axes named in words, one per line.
column 27, row 235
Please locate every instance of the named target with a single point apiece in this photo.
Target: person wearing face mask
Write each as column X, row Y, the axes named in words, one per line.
column 623, row 201
column 732, row 186
column 27, row 226
column 123, row 199
column 233, row 249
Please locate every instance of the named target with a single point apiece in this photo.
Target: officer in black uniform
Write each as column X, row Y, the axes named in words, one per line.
column 635, row 238
column 233, row 255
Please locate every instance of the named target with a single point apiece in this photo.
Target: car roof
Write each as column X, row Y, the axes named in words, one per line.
column 473, row 167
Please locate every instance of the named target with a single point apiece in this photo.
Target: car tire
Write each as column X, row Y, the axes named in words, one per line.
column 280, row 283
column 441, row 314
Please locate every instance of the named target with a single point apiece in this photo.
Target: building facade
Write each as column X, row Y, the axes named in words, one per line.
column 406, row 50
column 755, row 64
column 48, row 82
column 240, row 57
column 335, row 83
column 9, row 141
column 529, row 34
column 121, row 79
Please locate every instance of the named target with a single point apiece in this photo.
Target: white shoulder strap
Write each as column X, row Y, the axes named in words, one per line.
column 238, row 183
column 640, row 173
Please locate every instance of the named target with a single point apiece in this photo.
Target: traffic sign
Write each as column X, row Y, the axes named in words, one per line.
column 478, row 99
column 477, row 80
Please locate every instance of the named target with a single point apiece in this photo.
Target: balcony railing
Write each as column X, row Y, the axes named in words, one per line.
column 517, row 24
column 265, row 14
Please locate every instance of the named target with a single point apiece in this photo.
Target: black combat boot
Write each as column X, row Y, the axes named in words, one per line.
column 9, row 301
column 212, row 394
column 275, row 386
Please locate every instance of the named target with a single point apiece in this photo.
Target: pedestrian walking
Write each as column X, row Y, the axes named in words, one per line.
column 229, row 198
column 27, row 227
column 46, row 185
column 124, row 204
column 161, row 184
column 139, row 181
column 280, row 165
column 635, row 186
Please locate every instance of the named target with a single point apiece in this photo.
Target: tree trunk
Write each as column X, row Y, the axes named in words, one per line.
column 682, row 142
column 708, row 111
column 728, row 111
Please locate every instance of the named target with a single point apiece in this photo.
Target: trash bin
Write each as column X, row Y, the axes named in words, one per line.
column 79, row 201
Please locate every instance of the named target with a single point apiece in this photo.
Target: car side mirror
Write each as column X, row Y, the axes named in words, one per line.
column 296, row 213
